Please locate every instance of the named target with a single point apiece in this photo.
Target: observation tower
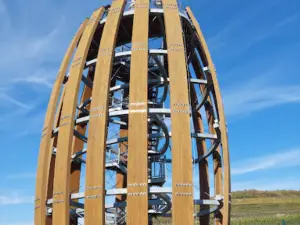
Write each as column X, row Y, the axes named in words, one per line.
column 135, row 131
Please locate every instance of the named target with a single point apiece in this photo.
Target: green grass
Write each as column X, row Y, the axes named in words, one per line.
column 268, row 220
column 252, row 207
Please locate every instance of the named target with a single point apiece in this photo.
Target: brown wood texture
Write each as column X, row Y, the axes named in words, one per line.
column 137, row 186
column 182, row 178
column 216, row 156
column 77, row 143
column 121, row 179
column 203, row 165
column 50, row 175
column 61, row 192
column 95, row 161
column 44, row 160
column 224, row 142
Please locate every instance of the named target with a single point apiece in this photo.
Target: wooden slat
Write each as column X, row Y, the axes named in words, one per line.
column 121, row 179
column 203, row 165
column 210, row 120
column 182, row 180
column 137, row 181
column 61, row 192
column 45, row 150
column 77, row 143
column 95, row 161
column 218, row 181
column 227, row 182
column 50, row 175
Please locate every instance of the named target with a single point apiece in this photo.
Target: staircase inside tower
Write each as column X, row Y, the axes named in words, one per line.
column 202, row 106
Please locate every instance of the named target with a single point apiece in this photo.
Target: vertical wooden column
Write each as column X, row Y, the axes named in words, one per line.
column 61, row 192
column 121, row 179
column 217, row 159
column 203, row 165
column 224, row 142
column 95, row 161
column 77, row 143
column 216, row 155
column 53, row 144
column 137, row 187
column 45, row 150
column 182, row 183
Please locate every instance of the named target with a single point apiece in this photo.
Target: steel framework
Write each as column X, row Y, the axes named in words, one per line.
column 135, row 131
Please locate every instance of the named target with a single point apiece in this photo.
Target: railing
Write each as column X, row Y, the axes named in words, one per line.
column 158, row 171
column 154, row 4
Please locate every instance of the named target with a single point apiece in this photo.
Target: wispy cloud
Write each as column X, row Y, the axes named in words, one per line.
column 21, row 223
column 21, row 176
column 16, row 102
column 28, row 65
column 269, row 184
column 15, row 199
column 254, row 95
column 267, row 161
column 42, row 76
column 276, row 28
column 236, row 38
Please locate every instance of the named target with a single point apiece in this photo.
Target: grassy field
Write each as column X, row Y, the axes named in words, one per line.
column 253, row 207
column 266, row 208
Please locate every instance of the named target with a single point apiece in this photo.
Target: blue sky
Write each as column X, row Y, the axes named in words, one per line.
column 254, row 45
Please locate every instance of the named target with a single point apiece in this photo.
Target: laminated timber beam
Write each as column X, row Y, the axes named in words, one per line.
column 121, row 178
column 51, row 163
column 78, row 144
column 61, row 192
column 203, row 165
column 224, row 142
column 95, row 159
column 137, row 181
column 182, row 179
column 210, row 116
column 44, row 161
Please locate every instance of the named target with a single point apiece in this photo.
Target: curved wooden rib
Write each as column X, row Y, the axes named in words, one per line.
column 77, row 143
column 121, row 179
column 203, row 165
column 95, row 159
column 61, row 192
column 45, row 150
column 217, row 159
column 182, row 180
column 208, row 62
column 137, row 195
column 53, row 144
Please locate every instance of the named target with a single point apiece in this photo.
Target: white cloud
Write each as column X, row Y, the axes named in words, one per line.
column 20, row 176
column 254, row 95
column 16, row 102
column 21, row 223
column 15, row 199
column 289, row 183
column 291, row 157
column 2, row 7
